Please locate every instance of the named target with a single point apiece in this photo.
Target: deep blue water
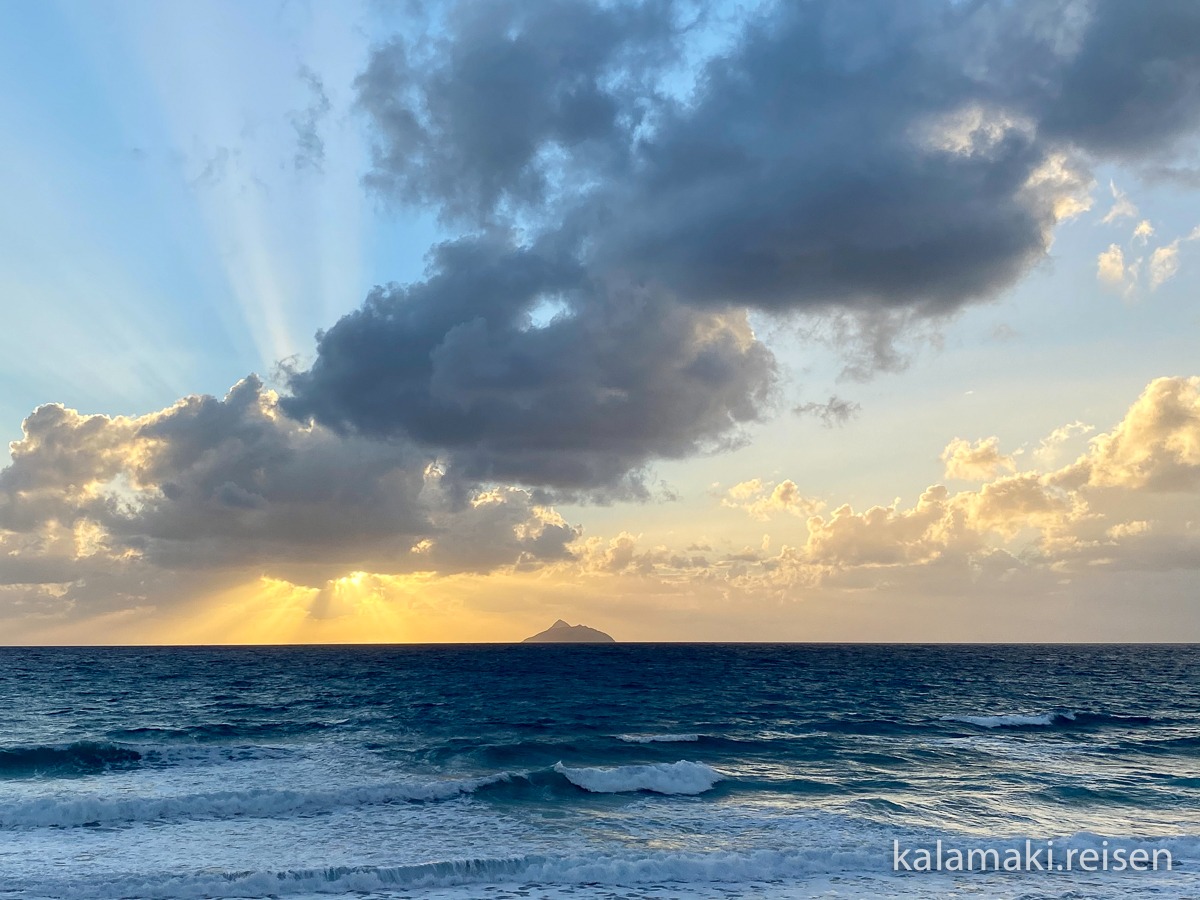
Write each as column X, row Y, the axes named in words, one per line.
column 625, row 770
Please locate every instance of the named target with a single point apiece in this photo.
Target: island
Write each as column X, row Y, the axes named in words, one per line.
column 562, row 633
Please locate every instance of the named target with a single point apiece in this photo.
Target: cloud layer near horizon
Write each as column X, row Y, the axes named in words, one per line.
column 100, row 515
column 1124, row 508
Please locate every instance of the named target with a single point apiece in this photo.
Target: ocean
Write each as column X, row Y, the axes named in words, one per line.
column 596, row 771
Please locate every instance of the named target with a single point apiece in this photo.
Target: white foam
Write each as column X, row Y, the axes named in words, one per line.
column 69, row 811
column 658, row 738
column 590, row 869
column 594, row 870
column 683, row 777
column 1013, row 720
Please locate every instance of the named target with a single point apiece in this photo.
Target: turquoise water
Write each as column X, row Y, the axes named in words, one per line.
column 590, row 771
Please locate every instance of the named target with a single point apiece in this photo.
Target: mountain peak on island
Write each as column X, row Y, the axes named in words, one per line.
column 563, row 633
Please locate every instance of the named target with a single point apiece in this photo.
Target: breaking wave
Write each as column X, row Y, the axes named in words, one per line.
column 1059, row 718
column 1014, row 720
column 74, row 811
column 658, row 738
column 683, row 777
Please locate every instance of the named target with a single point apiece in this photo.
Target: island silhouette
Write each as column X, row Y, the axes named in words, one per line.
column 563, row 633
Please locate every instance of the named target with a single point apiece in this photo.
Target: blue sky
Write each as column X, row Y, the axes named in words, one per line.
column 157, row 224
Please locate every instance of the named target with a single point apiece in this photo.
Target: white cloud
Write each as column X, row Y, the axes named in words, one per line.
column 1164, row 264
column 762, row 501
column 976, row 462
column 1122, row 208
column 1156, row 446
column 1126, row 504
column 1110, row 265
column 1049, row 448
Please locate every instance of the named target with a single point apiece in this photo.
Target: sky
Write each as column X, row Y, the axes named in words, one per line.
column 390, row 322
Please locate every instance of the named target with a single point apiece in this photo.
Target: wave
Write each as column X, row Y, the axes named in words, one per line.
column 658, row 738
column 208, row 754
column 77, row 758
column 222, row 731
column 1059, row 718
column 590, row 869
column 1014, row 720
column 74, row 811
column 81, row 758
column 871, row 869
column 683, row 777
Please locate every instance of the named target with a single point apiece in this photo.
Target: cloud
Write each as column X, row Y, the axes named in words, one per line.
column 310, row 147
column 620, row 377
column 1110, row 265
column 1112, row 269
column 747, row 193
column 877, row 341
column 1129, row 85
column 1122, row 207
column 1072, row 516
column 835, row 411
column 618, row 555
column 499, row 527
column 651, row 217
column 1049, row 447
column 881, row 535
column 940, row 526
column 1155, row 447
column 1164, row 264
column 472, row 122
column 219, row 486
column 762, row 501
column 196, row 520
column 977, row 461
column 1127, row 504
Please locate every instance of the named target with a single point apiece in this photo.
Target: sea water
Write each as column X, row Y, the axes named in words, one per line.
column 591, row 771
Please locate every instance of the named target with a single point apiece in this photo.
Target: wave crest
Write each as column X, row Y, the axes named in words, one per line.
column 67, row 812
column 1014, row 720
column 658, row 738
column 1057, row 717
column 682, row 777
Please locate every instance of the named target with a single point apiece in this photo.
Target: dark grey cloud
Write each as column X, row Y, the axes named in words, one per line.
column 620, row 376
column 875, row 165
column 834, row 411
column 811, row 171
column 1133, row 88
column 843, row 155
column 237, row 482
column 472, row 120
column 232, row 484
